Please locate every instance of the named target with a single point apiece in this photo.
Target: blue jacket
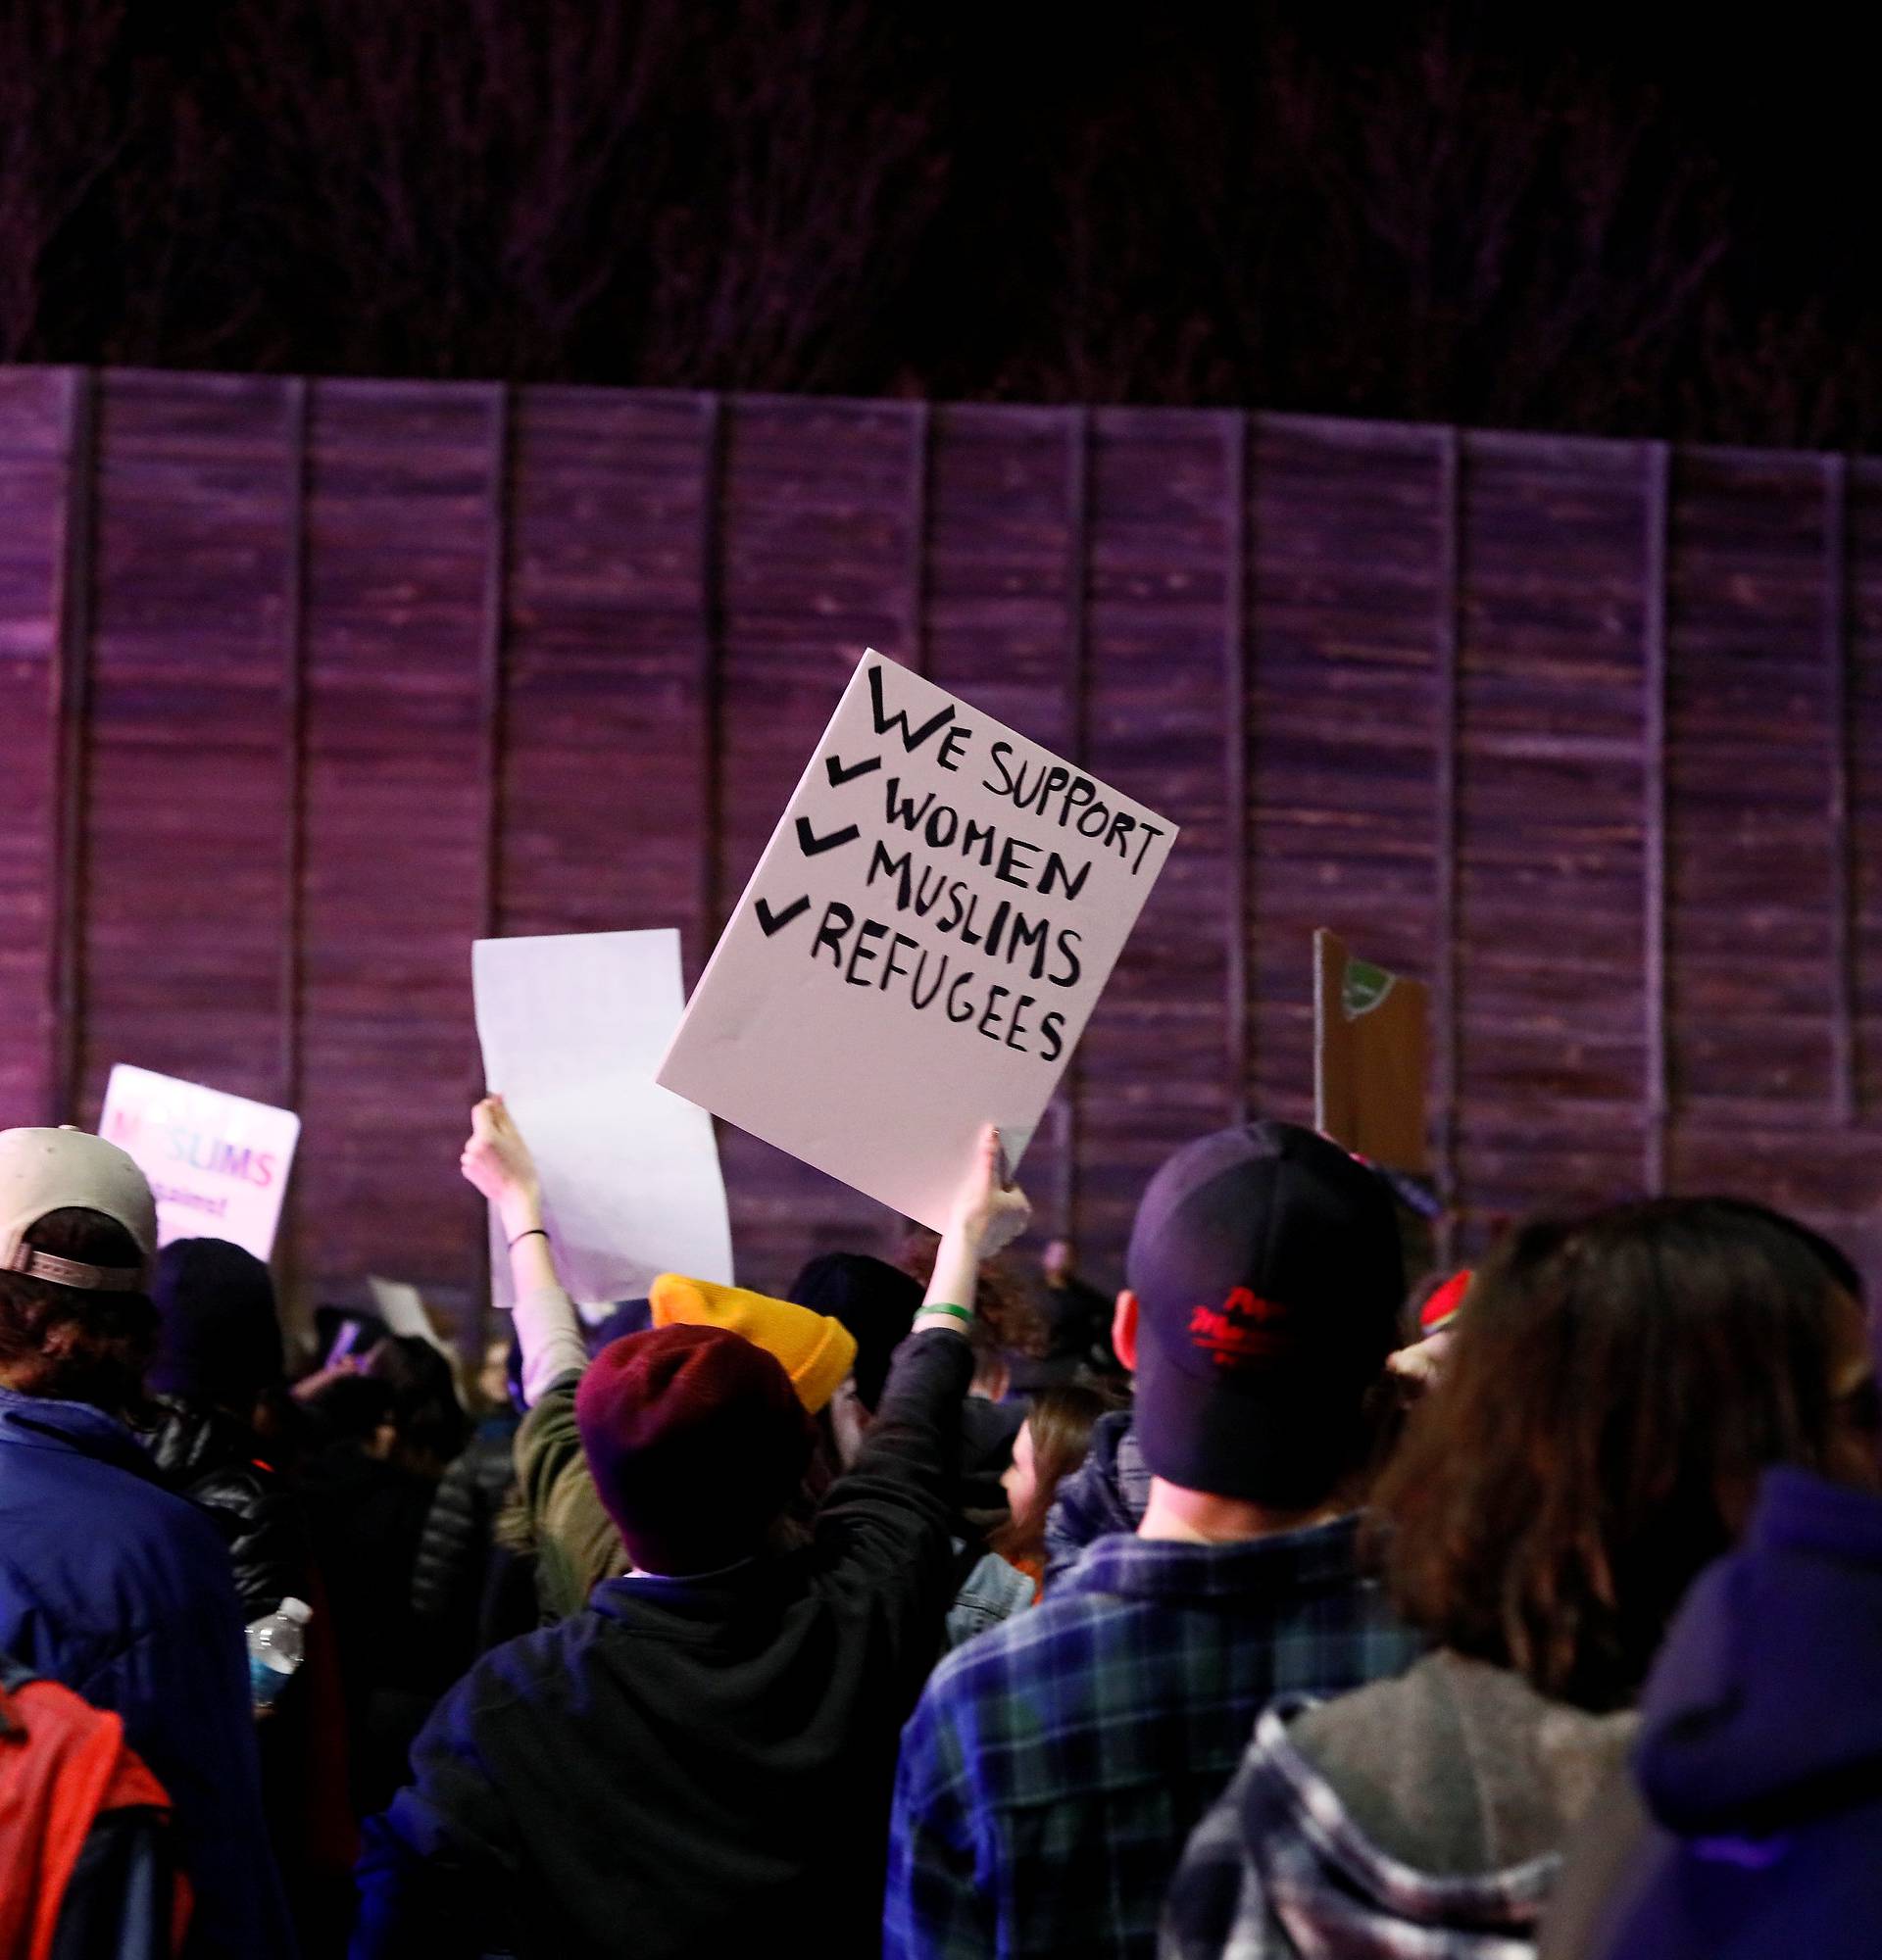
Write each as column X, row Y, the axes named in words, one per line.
column 122, row 1590
column 1760, row 1756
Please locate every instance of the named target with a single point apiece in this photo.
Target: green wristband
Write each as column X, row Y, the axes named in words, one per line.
column 961, row 1314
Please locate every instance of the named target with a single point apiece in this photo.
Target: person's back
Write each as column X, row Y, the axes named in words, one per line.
column 1090, row 1734
column 702, row 1759
column 1595, row 1434
column 1056, row 1763
column 110, row 1584
column 122, row 1590
column 1760, row 1759
column 457, row 1549
column 219, row 1356
column 708, row 1757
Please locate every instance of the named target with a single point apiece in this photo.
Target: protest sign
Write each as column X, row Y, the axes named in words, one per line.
column 218, row 1164
column 920, row 945
column 1371, row 1039
column 572, row 1026
column 401, row 1306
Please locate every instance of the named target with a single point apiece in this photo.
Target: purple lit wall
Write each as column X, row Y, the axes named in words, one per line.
column 306, row 684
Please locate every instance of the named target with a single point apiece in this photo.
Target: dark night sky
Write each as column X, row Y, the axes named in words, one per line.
column 1790, row 117
column 1783, row 121
column 272, row 256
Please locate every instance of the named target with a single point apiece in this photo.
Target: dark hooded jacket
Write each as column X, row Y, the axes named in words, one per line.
column 1760, row 1759
column 691, row 1766
column 220, row 1349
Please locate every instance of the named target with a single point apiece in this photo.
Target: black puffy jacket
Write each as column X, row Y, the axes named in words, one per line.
column 215, row 1460
column 450, row 1581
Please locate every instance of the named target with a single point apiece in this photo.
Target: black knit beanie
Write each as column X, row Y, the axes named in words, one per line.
column 875, row 1301
column 218, row 1339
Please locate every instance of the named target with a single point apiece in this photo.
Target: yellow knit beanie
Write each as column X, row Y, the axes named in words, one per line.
column 816, row 1351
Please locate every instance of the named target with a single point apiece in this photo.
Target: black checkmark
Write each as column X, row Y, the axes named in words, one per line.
column 813, row 846
column 839, row 775
column 777, row 922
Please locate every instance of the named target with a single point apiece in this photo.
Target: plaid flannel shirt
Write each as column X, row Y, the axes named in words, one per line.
column 1055, row 1765
column 1280, row 1856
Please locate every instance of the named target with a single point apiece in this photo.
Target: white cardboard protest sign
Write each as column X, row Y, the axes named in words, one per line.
column 218, row 1164
column 572, row 1026
column 920, row 946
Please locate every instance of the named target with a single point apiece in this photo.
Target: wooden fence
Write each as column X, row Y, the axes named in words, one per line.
column 303, row 685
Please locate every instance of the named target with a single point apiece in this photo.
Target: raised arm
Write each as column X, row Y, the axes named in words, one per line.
column 497, row 1161
column 987, row 1215
column 899, row 1493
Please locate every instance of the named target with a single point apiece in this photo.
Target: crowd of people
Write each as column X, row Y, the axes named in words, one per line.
column 1289, row 1605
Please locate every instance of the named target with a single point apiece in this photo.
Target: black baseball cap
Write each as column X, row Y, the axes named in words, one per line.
column 1267, row 1273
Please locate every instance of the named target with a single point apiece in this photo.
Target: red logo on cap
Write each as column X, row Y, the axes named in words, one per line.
column 1244, row 1329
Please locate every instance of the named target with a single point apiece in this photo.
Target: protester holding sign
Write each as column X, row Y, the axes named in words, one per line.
column 723, row 1720
column 1055, row 1764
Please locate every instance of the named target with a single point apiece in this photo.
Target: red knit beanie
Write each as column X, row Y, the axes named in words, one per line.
column 696, row 1442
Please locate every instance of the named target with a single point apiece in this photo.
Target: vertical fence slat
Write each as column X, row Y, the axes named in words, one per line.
column 1450, row 458
column 1078, row 703
column 293, row 651
column 70, row 685
column 1235, row 428
column 712, row 636
column 491, row 635
column 493, row 708
column 293, row 741
column 915, row 638
column 1654, row 839
column 1843, row 1062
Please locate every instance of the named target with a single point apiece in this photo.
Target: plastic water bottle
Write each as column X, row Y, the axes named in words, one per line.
column 275, row 1650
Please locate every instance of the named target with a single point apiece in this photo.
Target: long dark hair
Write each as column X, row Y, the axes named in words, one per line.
column 65, row 1341
column 428, row 1423
column 1062, row 1420
column 1616, row 1385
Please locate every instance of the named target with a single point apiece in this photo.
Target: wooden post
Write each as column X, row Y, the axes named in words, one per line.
column 1077, row 578
column 1235, row 428
column 293, row 741
column 1658, row 1085
column 712, row 633
column 288, row 1260
column 69, row 681
column 1845, row 1069
column 1444, row 968
column 492, row 633
column 915, row 638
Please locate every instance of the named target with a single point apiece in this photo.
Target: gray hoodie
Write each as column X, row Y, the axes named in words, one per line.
column 1422, row 1816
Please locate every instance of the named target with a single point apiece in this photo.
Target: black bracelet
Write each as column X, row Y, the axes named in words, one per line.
column 535, row 1231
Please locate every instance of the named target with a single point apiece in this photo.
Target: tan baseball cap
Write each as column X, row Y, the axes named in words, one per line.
column 47, row 1171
